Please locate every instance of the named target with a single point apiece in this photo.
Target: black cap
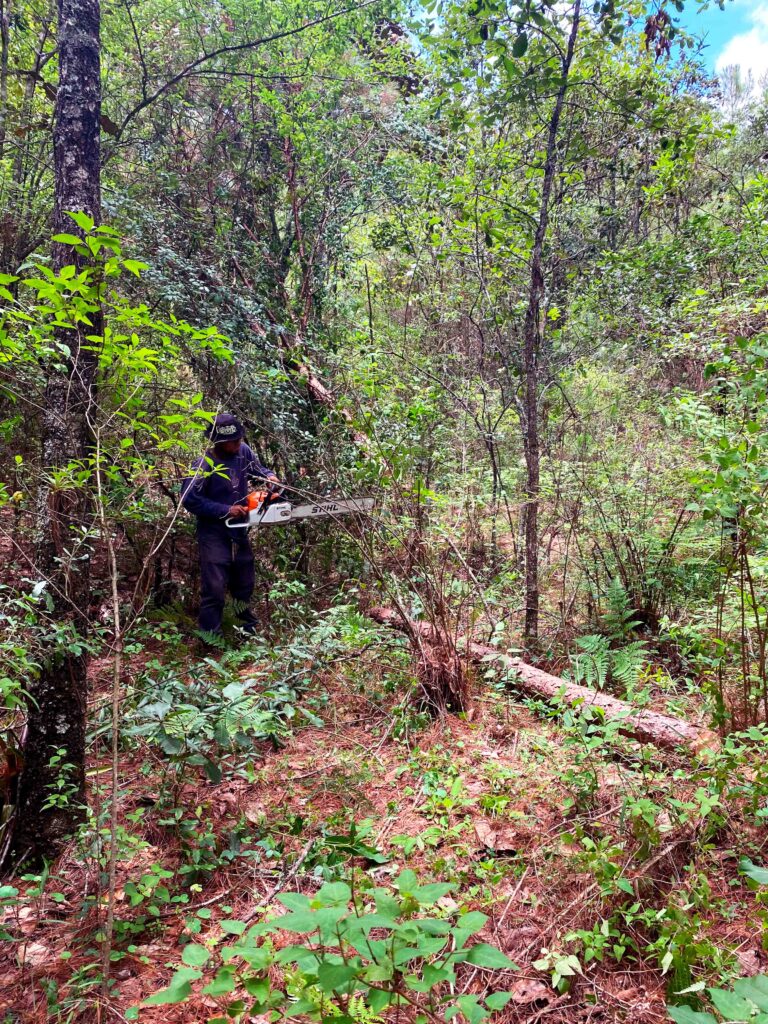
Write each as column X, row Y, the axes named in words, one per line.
column 225, row 427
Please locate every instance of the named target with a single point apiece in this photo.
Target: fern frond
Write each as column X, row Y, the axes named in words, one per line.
column 212, row 639
column 619, row 620
column 591, row 666
column 361, row 1013
column 627, row 663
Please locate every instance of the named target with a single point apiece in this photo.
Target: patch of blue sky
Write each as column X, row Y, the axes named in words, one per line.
column 736, row 35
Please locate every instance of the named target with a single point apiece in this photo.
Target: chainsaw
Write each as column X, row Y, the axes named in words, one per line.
column 265, row 509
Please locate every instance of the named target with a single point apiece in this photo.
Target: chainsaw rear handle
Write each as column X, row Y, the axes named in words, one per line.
column 256, row 501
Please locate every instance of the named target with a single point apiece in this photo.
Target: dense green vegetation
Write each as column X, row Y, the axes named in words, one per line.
column 502, row 267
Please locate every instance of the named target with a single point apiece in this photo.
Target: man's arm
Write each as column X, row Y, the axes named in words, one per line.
column 193, row 497
column 254, row 468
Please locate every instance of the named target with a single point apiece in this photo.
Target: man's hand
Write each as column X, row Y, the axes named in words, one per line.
column 237, row 511
column 274, row 486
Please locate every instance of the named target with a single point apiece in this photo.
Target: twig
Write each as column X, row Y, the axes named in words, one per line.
column 563, row 913
column 194, row 906
column 517, row 888
column 281, row 881
column 385, row 737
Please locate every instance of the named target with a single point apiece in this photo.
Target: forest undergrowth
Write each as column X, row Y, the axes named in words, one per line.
column 612, row 874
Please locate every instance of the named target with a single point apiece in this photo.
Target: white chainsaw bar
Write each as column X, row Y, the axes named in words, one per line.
column 282, row 512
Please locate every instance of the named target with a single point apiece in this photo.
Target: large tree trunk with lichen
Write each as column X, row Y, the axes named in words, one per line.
column 58, row 698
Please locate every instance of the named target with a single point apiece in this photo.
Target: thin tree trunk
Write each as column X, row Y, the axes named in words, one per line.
column 57, row 709
column 531, row 350
column 5, row 39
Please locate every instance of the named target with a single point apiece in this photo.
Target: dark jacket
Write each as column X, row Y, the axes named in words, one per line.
column 219, row 483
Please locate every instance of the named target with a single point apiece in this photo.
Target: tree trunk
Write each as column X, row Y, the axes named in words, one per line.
column 5, row 38
column 57, row 709
column 647, row 726
column 531, row 350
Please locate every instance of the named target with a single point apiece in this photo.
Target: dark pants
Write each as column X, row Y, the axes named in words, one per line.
column 224, row 565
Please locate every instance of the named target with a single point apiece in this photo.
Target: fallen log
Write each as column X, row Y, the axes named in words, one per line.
column 647, row 726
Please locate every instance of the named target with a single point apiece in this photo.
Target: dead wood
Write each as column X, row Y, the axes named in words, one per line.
column 663, row 731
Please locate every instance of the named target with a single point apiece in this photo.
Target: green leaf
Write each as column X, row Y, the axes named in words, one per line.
column 178, row 990
column 368, row 921
column 302, row 921
column 685, row 1015
column 335, row 977
column 233, row 927
column 520, row 45
column 223, row 983
column 429, row 894
column 755, row 989
column 484, row 955
column 67, row 239
column 379, row 972
column 472, row 1009
column 497, row 1000
column 256, row 957
column 730, row 1005
column 257, row 987
column 195, row 956
column 434, row 926
column 135, row 266
column 294, row 901
column 82, row 220
column 471, row 922
column 753, row 871
column 406, row 882
column 334, row 894
column 509, row 66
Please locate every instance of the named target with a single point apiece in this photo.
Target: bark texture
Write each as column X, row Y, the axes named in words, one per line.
column 57, row 711
column 647, row 726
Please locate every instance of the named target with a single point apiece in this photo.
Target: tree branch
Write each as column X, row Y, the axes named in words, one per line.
column 234, row 48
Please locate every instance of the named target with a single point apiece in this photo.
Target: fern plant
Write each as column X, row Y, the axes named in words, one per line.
column 619, row 620
column 591, row 666
column 596, row 665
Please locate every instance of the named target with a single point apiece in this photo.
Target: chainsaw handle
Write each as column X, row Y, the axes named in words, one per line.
column 257, row 503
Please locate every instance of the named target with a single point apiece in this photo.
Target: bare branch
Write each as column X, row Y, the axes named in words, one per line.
column 234, row 48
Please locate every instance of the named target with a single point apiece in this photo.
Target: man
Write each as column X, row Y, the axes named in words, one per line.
column 218, row 491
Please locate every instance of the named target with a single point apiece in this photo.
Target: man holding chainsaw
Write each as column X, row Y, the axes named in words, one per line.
column 218, row 491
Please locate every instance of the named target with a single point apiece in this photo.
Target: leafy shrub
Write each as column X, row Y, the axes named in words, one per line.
column 363, row 951
column 747, row 1001
column 191, row 722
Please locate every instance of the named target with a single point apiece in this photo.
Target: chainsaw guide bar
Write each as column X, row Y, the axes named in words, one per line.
column 281, row 512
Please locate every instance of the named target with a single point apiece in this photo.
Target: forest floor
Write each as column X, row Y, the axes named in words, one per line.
column 575, row 845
